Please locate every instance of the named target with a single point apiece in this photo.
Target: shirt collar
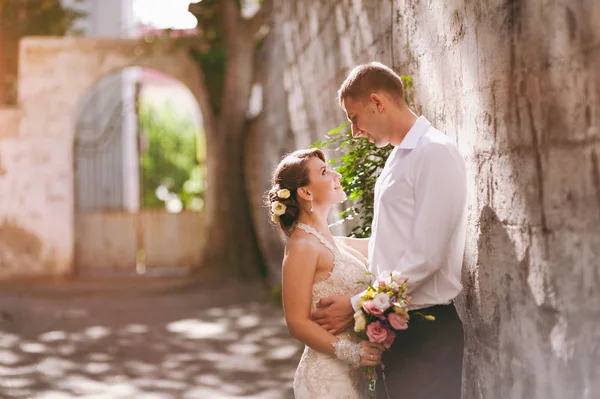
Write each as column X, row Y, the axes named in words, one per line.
column 415, row 133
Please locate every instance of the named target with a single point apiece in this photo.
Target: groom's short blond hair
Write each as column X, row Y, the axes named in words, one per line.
column 368, row 78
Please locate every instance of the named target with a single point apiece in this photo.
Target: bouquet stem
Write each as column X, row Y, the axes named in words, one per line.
column 370, row 373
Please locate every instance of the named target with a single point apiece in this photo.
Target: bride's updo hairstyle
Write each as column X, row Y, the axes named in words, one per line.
column 289, row 176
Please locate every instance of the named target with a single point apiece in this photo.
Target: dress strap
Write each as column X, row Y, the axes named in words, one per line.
column 313, row 231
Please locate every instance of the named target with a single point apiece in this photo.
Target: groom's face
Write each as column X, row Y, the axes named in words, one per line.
column 367, row 120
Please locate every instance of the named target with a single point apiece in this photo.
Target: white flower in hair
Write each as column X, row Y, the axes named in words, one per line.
column 284, row 193
column 278, row 208
column 275, row 218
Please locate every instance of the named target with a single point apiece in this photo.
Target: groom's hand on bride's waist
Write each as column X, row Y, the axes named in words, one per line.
column 336, row 314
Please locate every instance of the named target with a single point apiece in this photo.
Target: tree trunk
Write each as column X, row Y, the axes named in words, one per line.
column 3, row 61
column 9, row 53
column 232, row 247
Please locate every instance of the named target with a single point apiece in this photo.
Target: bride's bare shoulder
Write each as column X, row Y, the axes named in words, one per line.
column 302, row 243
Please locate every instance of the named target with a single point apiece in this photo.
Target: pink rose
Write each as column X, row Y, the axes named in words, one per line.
column 376, row 332
column 387, row 344
column 397, row 321
column 370, row 307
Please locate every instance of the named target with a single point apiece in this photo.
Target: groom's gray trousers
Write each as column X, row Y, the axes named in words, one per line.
column 425, row 361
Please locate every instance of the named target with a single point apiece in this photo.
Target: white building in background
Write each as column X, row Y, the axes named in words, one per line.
column 106, row 18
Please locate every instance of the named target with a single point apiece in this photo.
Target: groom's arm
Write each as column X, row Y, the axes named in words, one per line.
column 362, row 246
column 440, row 199
column 354, row 301
column 337, row 314
column 359, row 244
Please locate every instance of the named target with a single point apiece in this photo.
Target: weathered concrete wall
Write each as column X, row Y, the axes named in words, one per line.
column 109, row 240
column 28, row 189
column 9, row 122
column 173, row 240
column 517, row 85
column 37, row 183
column 270, row 138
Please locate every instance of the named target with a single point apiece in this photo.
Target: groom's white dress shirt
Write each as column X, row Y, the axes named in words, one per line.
column 419, row 222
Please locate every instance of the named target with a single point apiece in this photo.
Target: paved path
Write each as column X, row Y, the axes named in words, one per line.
column 131, row 341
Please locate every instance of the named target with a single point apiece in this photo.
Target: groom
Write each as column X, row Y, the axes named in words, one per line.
column 419, row 229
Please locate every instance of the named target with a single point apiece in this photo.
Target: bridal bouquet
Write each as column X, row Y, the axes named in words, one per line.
column 383, row 312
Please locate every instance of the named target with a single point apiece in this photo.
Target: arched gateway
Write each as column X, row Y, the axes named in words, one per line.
column 54, row 76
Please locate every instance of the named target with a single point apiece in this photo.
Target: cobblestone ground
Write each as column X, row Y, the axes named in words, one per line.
column 137, row 340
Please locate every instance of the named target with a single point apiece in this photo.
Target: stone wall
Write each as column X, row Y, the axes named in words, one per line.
column 9, row 122
column 28, row 187
column 517, row 85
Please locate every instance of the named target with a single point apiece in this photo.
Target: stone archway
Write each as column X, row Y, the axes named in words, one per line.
column 54, row 74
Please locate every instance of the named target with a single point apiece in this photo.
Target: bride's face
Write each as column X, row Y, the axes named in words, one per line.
column 324, row 184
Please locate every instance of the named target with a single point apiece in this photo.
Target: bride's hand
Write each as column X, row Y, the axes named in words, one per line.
column 370, row 353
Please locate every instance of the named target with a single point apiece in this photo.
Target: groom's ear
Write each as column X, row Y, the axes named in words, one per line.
column 304, row 194
column 377, row 100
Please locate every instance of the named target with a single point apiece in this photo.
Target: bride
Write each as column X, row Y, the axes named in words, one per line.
column 317, row 265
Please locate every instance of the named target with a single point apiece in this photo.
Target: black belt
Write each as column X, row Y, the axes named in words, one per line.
column 417, row 313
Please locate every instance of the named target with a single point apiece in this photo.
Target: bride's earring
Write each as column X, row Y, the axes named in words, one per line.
column 311, row 206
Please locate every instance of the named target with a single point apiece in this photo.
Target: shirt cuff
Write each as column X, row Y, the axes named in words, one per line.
column 354, row 302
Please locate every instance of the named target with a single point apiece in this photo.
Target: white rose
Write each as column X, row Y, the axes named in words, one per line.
column 396, row 275
column 278, row 208
column 283, row 193
column 360, row 323
column 381, row 301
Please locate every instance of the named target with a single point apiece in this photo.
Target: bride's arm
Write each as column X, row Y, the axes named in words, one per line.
column 359, row 244
column 299, row 266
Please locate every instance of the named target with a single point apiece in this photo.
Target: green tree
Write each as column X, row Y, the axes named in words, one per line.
column 169, row 158
column 360, row 163
column 225, row 47
column 20, row 18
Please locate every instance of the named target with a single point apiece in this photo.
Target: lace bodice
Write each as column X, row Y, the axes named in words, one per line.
column 347, row 270
column 321, row 376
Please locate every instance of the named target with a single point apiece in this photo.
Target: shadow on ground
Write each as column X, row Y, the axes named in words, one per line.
column 204, row 343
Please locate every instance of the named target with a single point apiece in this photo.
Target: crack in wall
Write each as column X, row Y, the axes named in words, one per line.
column 596, row 176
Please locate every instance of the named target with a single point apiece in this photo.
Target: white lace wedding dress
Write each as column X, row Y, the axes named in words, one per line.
column 320, row 376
